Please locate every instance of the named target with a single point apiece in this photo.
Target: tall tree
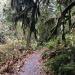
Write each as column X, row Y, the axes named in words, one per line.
column 26, row 11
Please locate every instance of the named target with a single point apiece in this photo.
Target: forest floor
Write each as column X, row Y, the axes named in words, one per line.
column 30, row 64
column 33, row 64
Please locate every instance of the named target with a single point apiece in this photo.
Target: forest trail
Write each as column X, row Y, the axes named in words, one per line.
column 33, row 64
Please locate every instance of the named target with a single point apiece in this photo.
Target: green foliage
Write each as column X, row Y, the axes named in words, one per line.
column 42, row 27
column 52, row 43
column 62, row 64
column 70, row 39
column 7, row 13
column 68, row 69
column 57, row 62
column 45, row 23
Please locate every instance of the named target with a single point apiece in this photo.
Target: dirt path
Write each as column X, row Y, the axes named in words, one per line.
column 32, row 65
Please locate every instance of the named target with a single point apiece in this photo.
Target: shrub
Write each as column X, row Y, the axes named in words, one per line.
column 68, row 69
column 52, row 43
column 57, row 62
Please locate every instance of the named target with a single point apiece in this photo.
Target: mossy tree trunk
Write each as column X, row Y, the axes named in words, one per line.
column 28, row 38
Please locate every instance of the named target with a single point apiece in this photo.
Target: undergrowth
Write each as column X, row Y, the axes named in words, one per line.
column 60, row 58
column 10, row 51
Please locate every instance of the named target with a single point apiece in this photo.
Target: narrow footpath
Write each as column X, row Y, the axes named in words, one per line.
column 33, row 64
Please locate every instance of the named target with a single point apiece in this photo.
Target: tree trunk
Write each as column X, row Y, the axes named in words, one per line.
column 69, row 19
column 28, row 38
